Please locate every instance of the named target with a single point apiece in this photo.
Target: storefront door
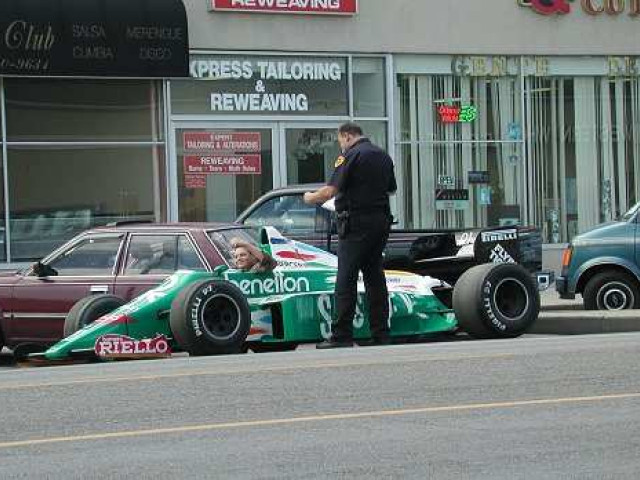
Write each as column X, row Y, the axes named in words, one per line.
column 221, row 168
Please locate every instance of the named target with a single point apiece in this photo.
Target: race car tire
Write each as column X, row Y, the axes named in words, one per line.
column 611, row 290
column 88, row 309
column 496, row 301
column 210, row 317
column 260, row 347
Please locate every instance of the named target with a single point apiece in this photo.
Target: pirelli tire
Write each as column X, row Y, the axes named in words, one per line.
column 210, row 317
column 496, row 301
column 88, row 309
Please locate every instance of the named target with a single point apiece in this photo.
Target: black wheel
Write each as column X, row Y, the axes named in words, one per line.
column 611, row 291
column 88, row 310
column 210, row 317
column 259, row 347
column 496, row 301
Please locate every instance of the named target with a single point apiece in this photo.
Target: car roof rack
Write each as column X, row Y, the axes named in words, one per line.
column 119, row 223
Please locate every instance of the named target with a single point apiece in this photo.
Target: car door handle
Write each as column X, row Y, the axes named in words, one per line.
column 99, row 289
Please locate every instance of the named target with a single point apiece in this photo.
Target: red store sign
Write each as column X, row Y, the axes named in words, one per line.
column 223, row 164
column 317, row 7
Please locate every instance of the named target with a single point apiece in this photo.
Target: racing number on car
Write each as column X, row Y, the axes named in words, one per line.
column 326, row 312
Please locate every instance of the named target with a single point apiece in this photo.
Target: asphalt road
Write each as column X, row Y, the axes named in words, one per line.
column 539, row 408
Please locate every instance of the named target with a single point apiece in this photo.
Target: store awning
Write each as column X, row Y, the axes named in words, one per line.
column 97, row 38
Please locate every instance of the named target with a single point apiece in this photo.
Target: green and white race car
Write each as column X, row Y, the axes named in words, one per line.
column 229, row 311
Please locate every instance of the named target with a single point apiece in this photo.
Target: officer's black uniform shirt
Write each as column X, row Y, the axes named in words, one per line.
column 364, row 179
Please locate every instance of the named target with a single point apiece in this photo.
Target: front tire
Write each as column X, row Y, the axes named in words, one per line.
column 611, row 291
column 210, row 317
column 87, row 310
column 496, row 301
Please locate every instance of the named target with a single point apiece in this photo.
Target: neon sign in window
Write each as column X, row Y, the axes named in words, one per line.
column 457, row 114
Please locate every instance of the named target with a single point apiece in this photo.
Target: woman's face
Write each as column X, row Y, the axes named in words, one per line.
column 244, row 260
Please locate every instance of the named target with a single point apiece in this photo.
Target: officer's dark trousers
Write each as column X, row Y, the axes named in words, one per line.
column 361, row 250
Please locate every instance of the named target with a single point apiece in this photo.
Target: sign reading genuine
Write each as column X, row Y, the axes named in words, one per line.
column 117, row 38
column 321, row 7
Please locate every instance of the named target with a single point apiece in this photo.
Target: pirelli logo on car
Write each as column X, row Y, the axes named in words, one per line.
column 500, row 235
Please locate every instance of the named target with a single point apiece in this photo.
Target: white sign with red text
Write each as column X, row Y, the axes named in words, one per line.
column 316, row 7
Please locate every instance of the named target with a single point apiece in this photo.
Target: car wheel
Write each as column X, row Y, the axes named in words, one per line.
column 87, row 310
column 260, row 347
column 496, row 301
column 210, row 317
column 611, row 291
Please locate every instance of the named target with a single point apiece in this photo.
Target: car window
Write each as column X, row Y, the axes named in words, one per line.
column 90, row 257
column 151, row 255
column 288, row 213
column 222, row 240
column 188, row 259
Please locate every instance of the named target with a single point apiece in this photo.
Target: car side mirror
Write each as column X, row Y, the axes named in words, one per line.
column 42, row 270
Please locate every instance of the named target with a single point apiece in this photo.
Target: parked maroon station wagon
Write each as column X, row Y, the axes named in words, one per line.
column 124, row 260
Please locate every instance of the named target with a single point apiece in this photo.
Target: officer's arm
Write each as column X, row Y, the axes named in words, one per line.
column 321, row 195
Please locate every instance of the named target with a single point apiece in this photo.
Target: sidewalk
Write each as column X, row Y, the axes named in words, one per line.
column 568, row 317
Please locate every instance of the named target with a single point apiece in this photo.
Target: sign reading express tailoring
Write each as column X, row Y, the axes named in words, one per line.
column 221, row 153
column 322, row 7
column 116, row 38
column 272, row 85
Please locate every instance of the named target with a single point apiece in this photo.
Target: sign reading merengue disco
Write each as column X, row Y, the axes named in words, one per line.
column 274, row 84
column 321, row 7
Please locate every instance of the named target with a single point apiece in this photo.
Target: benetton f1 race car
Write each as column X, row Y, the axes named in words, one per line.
column 228, row 311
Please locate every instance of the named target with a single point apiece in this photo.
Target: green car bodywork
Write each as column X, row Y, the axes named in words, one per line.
column 292, row 304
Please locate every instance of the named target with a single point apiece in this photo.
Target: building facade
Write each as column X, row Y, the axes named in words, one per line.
column 496, row 113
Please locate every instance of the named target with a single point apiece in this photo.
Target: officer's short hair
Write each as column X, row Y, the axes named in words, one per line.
column 350, row 128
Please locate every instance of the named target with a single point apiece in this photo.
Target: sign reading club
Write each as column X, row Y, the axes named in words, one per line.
column 319, row 7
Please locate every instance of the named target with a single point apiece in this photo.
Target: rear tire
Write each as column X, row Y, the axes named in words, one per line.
column 496, row 301
column 88, row 310
column 611, row 290
column 210, row 317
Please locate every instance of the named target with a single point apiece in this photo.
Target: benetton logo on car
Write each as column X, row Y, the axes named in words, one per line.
column 592, row 7
column 318, row 7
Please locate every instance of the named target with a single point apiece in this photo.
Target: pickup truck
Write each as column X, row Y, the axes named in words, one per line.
column 443, row 254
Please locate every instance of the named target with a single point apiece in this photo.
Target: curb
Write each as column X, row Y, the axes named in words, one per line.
column 581, row 322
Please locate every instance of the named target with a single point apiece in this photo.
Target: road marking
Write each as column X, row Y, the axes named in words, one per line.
column 316, row 419
column 257, row 370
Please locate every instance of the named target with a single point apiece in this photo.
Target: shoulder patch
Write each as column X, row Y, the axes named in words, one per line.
column 339, row 161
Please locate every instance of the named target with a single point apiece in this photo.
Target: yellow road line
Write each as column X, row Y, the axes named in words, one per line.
column 315, row 419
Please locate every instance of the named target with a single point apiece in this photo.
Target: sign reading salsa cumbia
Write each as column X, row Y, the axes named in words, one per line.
column 321, row 7
column 272, row 85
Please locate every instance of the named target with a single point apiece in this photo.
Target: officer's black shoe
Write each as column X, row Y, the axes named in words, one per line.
column 334, row 342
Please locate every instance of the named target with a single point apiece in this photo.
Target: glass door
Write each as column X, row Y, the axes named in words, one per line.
column 310, row 151
column 221, row 168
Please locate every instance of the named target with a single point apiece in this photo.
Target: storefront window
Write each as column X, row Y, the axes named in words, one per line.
column 460, row 151
column 369, row 87
column 42, row 110
column 584, row 150
column 265, row 85
column 222, row 171
column 56, row 192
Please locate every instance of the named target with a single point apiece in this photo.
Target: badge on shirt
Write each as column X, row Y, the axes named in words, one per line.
column 340, row 160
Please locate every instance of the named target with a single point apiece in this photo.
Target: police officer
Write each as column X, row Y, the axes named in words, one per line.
column 361, row 183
